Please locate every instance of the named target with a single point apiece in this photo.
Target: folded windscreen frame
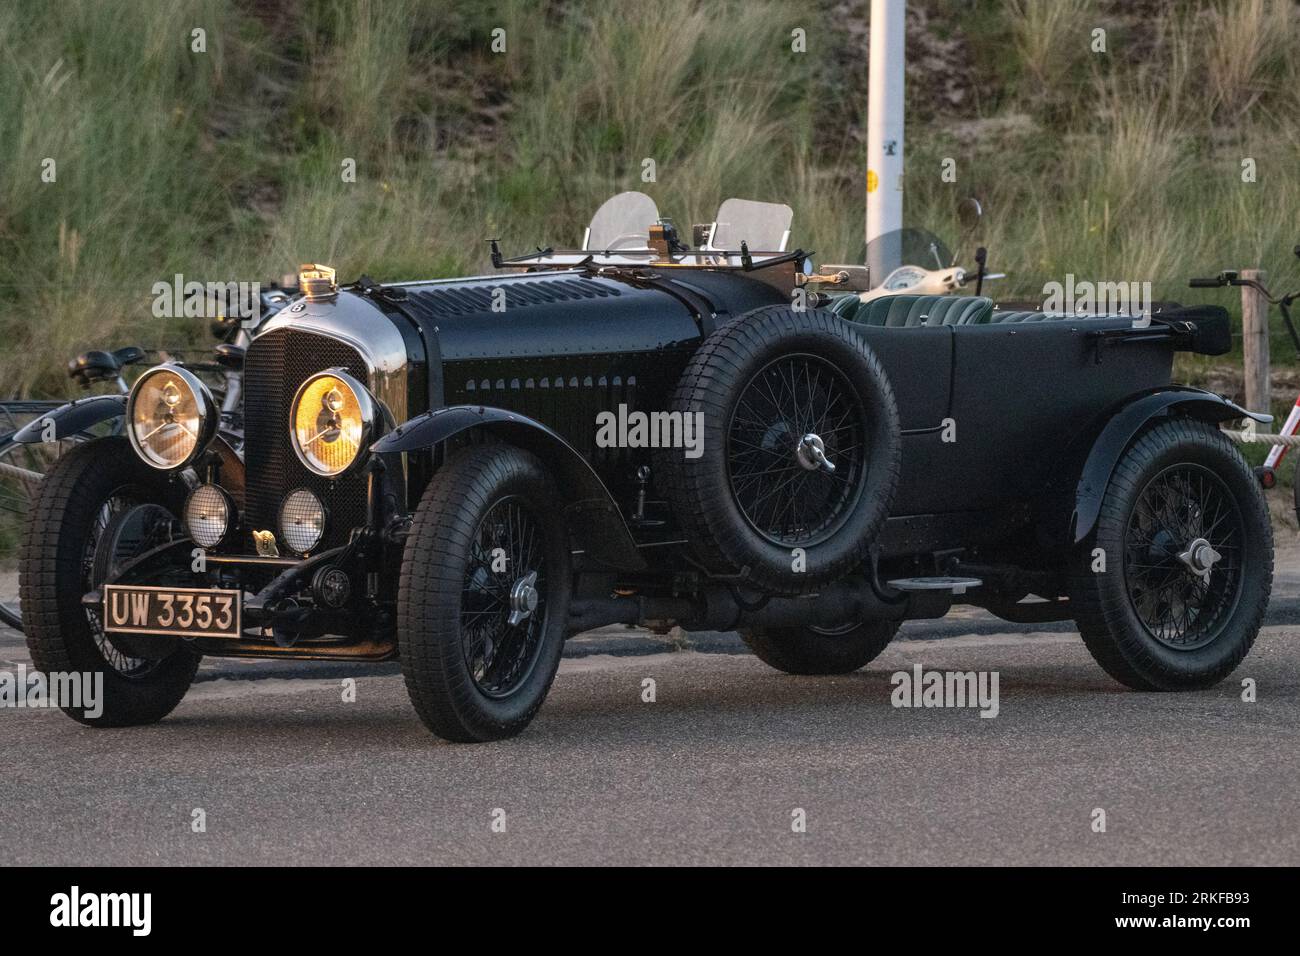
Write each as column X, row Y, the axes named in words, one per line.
column 622, row 222
column 762, row 226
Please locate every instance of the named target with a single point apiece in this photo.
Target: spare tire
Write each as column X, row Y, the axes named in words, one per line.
column 800, row 452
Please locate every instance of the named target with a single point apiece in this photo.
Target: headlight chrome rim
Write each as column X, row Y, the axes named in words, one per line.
column 366, row 409
column 290, row 540
column 206, row 408
column 228, row 506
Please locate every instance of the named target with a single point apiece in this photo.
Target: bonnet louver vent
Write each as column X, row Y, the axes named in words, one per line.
column 468, row 300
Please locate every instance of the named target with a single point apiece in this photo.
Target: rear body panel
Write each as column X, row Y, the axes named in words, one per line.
column 1012, row 397
column 987, row 411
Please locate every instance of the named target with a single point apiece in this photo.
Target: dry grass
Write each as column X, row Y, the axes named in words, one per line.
column 1052, row 37
column 1253, row 40
column 226, row 165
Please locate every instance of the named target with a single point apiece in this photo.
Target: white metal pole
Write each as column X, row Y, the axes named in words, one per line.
column 885, row 119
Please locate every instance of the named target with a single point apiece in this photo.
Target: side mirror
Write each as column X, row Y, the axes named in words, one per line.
column 969, row 212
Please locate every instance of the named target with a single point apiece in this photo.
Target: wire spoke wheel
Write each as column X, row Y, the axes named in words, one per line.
column 503, row 603
column 123, row 528
column 796, row 450
column 1183, row 554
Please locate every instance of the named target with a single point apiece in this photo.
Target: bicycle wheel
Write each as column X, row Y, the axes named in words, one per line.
column 22, row 467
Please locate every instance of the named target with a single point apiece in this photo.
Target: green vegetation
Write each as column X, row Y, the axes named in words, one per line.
column 226, row 164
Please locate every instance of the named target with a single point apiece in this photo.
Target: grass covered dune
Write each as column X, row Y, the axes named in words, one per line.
column 226, row 163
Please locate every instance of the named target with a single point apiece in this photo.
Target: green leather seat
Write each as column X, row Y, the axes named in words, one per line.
column 1013, row 316
column 846, row 306
column 909, row 311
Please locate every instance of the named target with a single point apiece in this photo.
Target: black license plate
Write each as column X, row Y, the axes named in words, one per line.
column 183, row 612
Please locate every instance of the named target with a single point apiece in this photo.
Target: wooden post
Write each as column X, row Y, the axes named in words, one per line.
column 1254, row 344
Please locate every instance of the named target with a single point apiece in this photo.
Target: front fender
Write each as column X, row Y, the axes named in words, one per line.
column 1124, row 426
column 592, row 514
column 72, row 418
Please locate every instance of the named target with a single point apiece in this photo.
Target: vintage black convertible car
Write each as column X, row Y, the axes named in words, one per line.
column 461, row 473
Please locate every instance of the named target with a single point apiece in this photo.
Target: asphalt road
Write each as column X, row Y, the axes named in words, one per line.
column 713, row 771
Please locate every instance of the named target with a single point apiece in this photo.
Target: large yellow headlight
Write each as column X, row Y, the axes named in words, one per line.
column 332, row 420
column 171, row 417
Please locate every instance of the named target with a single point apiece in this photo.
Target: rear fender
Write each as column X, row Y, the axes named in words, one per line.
column 593, row 516
column 72, row 418
column 1120, row 431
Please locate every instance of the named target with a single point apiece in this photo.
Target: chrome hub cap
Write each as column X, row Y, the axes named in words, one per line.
column 811, row 452
column 1200, row 558
column 523, row 599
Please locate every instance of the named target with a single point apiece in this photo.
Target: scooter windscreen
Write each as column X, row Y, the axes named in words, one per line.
column 904, row 247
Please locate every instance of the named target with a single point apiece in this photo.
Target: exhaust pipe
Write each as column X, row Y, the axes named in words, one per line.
column 724, row 609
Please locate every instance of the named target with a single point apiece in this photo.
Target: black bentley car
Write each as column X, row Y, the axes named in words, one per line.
column 461, row 473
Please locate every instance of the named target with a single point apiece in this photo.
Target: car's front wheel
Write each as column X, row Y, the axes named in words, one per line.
column 1171, row 588
column 815, row 650
column 97, row 508
column 484, row 594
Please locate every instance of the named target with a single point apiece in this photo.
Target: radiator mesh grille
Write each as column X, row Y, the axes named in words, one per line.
column 277, row 363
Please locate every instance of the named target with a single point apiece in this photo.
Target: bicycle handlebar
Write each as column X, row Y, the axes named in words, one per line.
column 1233, row 278
column 1283, row 302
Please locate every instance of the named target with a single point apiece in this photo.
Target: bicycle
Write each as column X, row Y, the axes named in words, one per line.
column 1267, row 473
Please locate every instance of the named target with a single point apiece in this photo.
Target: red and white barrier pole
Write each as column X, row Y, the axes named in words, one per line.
column 1289, row 427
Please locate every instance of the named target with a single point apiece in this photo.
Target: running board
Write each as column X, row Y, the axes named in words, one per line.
column 948, row 584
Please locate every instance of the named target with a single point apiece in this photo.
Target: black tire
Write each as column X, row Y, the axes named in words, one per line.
column 1295, row 487
column 445, row 584
column 762, row 382
column 1148, row 619
column 55, row 560
column 810, row 650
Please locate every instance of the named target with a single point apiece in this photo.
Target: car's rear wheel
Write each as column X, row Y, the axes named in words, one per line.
column 1171, row 588
column 97, row 507
column 800, row 449
column 484, row 594
column 815, row 650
